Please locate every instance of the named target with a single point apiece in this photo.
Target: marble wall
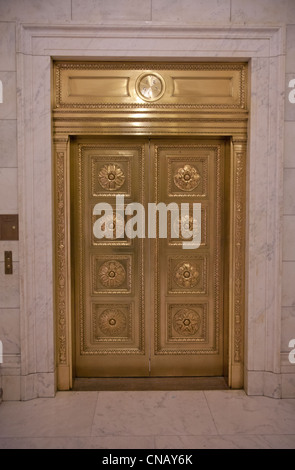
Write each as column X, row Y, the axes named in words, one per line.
column 128, row 12
column 288, row 255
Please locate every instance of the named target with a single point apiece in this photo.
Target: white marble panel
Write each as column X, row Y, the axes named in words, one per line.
column 263, row 11
column 289, row 147
column 46, row 384
column 234, row 413
column 7, row 46
column 28, row 386
column 9, row 331
column 42, row 212
column 290, row 49
column 8, row 107
column 288, row 295
column 8, row 155
column 289, row 238
column 68, row 414
column 9, row 287
column 191, row 11
column 8, row 245
column 95, row 11
column 32, row 11
column 260, row 221
column 289, row 193
column 8, row 190
column 253, row 382
column 288, row 328
column 146, row 413
column 11, row 388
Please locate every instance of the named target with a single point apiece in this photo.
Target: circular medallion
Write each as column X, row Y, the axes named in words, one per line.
column 186, row 275
column 111, row 177
column 186, row 322
column 112, row 274
column 150, row 87
column 113, row 226
column 112, row 322
column 186, row 227
column 187, row 178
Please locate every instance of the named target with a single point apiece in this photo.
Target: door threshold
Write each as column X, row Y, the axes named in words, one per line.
column 149, row 383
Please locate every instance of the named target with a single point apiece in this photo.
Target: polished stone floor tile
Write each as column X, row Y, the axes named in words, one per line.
column 45, row 443
column 212, row 442
column 223, row 419
column 280, row 441
column 123, row 442
column 68, row 414
column 152, row 413
column 235, row 412
column 104, row 442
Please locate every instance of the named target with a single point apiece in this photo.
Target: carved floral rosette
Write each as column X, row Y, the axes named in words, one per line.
column 112, row 274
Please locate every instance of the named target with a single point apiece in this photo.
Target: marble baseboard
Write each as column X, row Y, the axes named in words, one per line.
column 288, row 385
column 270, row 384
column 39, row 385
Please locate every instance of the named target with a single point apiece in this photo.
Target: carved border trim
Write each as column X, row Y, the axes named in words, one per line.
column 239, row 167
column 61, row 293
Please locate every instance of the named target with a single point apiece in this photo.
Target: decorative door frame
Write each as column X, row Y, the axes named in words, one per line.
column 263, row 47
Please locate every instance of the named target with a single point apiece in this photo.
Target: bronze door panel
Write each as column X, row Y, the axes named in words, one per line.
column 147, row 306
column 188, row 292
column 109, row 274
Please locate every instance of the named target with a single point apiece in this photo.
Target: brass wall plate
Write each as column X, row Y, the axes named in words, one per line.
column 8, row 262
column 8, row 227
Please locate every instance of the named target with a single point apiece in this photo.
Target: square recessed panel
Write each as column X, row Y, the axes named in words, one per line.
column 111, row 323
column 110, row 175
column 112, row 225
column 187, row 222
column 187, row 176
column 111, row 274
column 187, row 323
column 188, row 275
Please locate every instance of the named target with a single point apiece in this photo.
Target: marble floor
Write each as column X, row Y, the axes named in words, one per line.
column 212, row 419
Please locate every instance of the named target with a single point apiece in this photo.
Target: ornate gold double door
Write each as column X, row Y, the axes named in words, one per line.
column 147, row 306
